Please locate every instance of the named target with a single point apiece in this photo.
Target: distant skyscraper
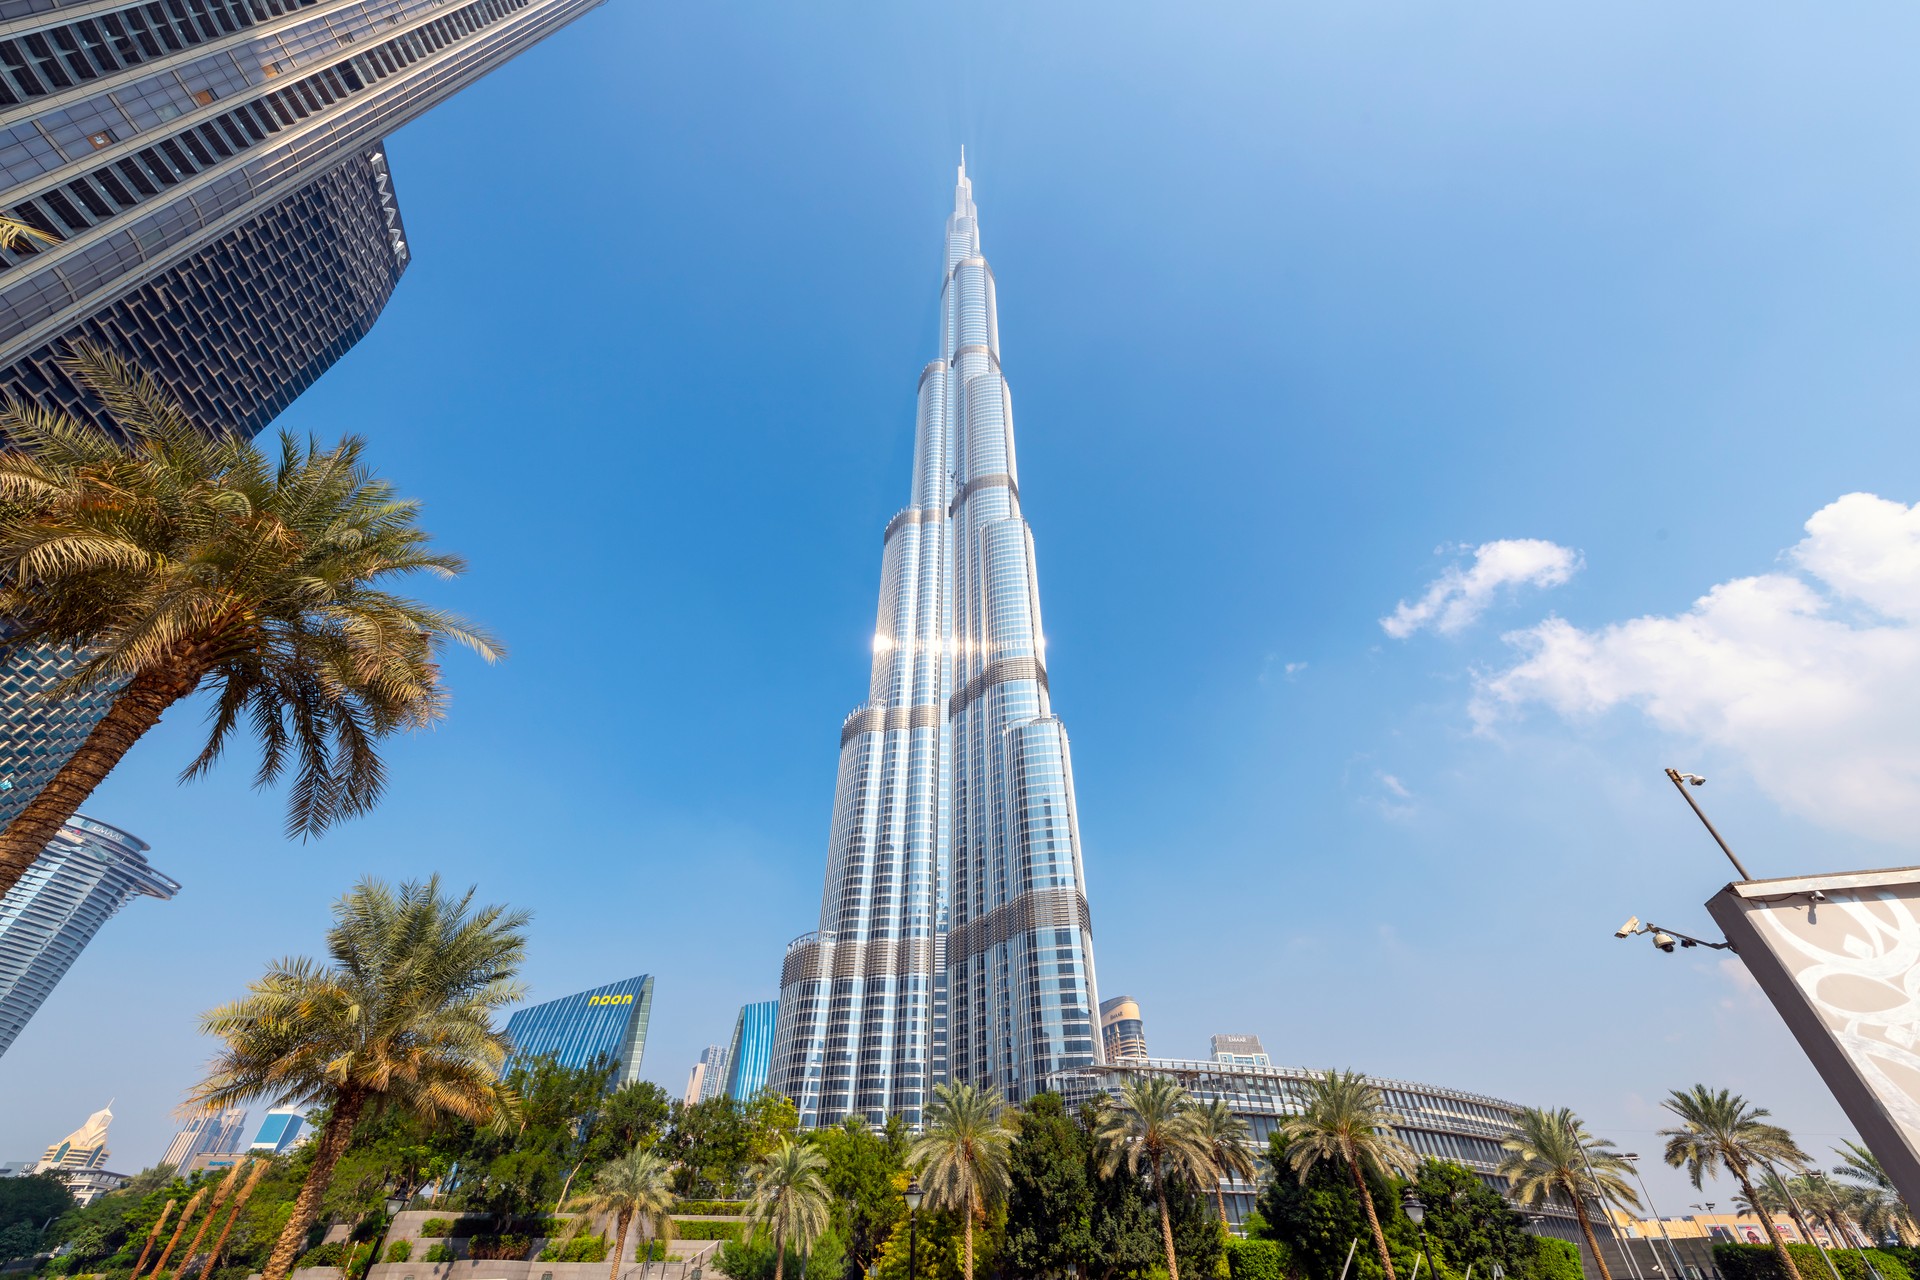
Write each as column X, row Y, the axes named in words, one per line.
column 84, row 1148
column 215, row 176
column 1122, row 1033
column 696, row 1081
column 279, row 1131
column 214, row 1133
column 751, row 1050
column 1243, row 1051
column 954, row 932
column 709, row 1075
column 609, row 1022
column 89, row 871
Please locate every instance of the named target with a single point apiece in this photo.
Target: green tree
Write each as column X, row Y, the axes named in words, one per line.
column 1467, row 1222
column 34, row 1199
column 1050, row 1191
column 790, row 1199
column 1229, row 1150
column 1720, row 1130
column 630, row 1187
column 864, row 1174
column 1346, row 1119
column 1551, row 1153
column 170, row 557
column 962, row 1156
column 634, row 1115
column 1153, row 1126
column 1318, row 1216
column 401, row 1019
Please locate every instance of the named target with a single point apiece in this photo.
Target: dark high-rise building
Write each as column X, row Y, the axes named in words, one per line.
column 213, row 175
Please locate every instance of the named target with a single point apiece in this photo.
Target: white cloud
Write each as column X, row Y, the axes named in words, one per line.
column 1458, row 596
column 1811, row 678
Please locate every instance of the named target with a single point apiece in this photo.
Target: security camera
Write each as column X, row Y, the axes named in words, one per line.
column 1695, row 779
column 1664, row 941
column 1627, row 930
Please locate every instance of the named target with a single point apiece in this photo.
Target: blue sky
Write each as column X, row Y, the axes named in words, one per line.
column 1302, row 307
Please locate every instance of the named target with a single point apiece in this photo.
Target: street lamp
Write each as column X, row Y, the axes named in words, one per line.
column 1633, row 1162
column 1416, row 1209
column 913, row 1197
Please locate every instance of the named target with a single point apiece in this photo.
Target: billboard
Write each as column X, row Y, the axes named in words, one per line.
column 1839, row 957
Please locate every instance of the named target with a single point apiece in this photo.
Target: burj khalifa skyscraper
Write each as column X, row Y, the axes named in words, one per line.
column 955, row 940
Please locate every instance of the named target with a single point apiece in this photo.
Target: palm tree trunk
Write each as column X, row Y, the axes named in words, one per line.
column 966, row 1260
column 186, row 1216
column 779, row 1253
column 1373, row 1219
column 213, row 1210
column 1166, row 1224
column 1220, row 1198
column 153, row 1237
column 1586, row 1228
column 306, row 1207
column 1766, row 1220
column 620, row 1245
column 239, row 1203
column 137, row 709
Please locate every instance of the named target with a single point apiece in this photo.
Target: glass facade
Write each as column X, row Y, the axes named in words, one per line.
column 751, row 1052
column 88, row 872
column 955, row 939
column 213, row 1133
column 279, row 1131
column 609, row 1022
column 213, row 176
column 1445, row 1124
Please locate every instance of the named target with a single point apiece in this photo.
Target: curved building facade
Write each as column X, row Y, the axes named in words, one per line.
column 955, row 938
column 88, row 872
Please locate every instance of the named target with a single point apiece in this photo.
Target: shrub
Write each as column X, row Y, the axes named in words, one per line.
column 649, row 1251
column 1255, row 1260
column 1557, row 1259
column 1760, row 1262
column 578, row 1249
column 323, row 1255
column 400, row 1251
column 442, row 1252
column 736, row 1230
column 502, row 1248
column 437, row 1227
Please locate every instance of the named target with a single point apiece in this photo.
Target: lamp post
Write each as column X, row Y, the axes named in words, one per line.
column 913, row 1198
column 1633, row 1162
column 1632, row 1264
column 1416, row 1209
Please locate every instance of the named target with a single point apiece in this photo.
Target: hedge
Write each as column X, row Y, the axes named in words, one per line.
column 578, row 1249
column 1760, row 1262
column 650, row 1251
column 437, row 1227
column 1255, row 1260
column 709, row 1230
column 712, row 1208
column 400, row 1251
column 442, row 1252
column 1558, row 1259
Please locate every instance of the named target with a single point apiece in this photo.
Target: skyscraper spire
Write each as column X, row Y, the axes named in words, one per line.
column 955, row 939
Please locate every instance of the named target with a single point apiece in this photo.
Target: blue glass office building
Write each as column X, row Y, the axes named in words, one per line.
column 608, row 1021
column 751, row 1054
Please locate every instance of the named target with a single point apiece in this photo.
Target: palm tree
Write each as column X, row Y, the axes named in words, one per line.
column 1720, row 1130
column 1228, row 1151
column 1346, row 1119
column 962, row 1155
column 171, row 557
column 790, row 1195
column 1154, row 1123
column 15, row 234
column 1877, row 1205
column 1551, row 1153
column 630, row 1186
column 401, row 1020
